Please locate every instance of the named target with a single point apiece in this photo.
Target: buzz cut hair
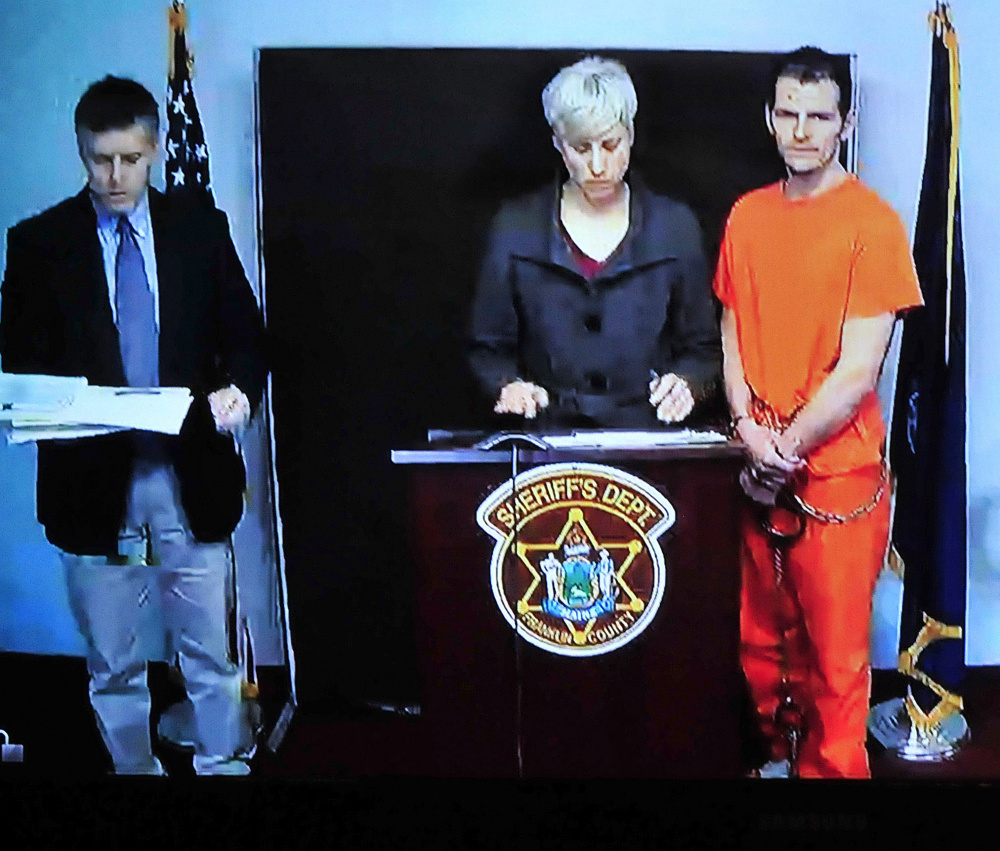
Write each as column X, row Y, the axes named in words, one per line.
column 116, row 103
column 811, row 65
column 589, row 97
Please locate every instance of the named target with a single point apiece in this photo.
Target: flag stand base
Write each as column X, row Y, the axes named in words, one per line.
column 890, row 724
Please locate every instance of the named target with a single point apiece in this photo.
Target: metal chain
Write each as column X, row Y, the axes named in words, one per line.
column 764, row 414
column 788, row 717
column 831, row 517
column 779, row 567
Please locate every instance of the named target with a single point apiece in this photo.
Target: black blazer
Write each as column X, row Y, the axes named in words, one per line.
column 593, row 344
column 55, row 318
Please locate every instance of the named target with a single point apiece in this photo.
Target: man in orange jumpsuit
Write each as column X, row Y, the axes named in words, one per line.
column 812, row 273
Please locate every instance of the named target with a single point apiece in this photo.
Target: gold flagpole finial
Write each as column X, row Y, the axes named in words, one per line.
column 177, row 21
column 177, row 16
column 940, row 20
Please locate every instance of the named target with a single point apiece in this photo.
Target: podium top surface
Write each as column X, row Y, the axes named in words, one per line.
column 469, row 447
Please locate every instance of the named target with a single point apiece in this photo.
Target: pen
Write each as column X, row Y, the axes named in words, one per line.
column 128, row 391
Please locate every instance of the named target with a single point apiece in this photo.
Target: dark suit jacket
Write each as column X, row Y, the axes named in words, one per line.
column 55, row 318
column 592, row 344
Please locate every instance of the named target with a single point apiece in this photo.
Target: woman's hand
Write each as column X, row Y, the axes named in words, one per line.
column 671, row 396
column 523, row 398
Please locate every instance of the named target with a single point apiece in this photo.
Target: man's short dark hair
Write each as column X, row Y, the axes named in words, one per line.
column 116, row 103
column 810, row 65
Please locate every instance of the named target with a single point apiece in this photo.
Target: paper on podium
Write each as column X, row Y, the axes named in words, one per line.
column 102, row 410
column 632, row 439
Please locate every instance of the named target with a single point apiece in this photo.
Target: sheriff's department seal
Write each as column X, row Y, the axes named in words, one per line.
column 576, row 566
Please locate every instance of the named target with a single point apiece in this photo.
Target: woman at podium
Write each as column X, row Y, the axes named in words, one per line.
column 593, row 306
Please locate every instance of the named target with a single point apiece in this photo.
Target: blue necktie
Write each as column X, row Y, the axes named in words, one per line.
column 136, row 313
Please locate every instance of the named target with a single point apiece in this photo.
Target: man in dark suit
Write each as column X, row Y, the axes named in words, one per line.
column 129, row 288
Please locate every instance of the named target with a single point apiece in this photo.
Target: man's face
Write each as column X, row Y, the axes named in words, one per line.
column 597, row 164
column 118, row 164
column 806, row 124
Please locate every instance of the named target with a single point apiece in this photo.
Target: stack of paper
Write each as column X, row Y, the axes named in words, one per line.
column 43, row 407
column 36, row 392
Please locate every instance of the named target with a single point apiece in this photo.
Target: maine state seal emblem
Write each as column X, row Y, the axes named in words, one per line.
column 576, row 566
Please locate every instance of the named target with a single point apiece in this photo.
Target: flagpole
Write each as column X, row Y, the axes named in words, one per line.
column 187, row 175
column 928, row 421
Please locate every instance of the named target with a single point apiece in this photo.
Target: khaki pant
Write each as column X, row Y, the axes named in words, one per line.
column 166, row 594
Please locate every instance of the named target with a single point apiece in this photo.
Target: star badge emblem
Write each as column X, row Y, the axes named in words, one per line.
column 576, row 566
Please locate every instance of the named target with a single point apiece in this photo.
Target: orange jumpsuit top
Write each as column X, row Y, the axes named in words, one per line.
column 792, row 271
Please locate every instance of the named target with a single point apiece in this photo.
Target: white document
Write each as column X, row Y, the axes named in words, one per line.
column 36, row 392
column 101, row 410
column 632, row 439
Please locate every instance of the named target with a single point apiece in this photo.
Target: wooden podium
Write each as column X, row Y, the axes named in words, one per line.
column 665, row 704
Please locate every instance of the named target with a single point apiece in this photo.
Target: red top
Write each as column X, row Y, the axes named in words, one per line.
column 587, row 265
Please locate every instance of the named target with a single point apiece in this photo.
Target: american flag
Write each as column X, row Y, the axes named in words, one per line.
column 187, row 152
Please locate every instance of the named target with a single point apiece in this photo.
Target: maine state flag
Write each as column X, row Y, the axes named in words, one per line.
column 928, row 441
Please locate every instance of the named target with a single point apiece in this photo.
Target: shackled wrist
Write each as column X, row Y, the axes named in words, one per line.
column 734, row 427
column 789, row 454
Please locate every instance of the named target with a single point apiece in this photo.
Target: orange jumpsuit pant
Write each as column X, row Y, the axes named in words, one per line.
column 823, row 606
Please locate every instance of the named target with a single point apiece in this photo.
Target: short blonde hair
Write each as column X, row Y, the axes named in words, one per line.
column 588, row 97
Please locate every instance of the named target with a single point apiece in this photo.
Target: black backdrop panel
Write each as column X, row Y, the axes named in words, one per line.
column 380, row 171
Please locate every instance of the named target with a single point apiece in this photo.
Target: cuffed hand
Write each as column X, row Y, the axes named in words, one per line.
column 766, row 451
